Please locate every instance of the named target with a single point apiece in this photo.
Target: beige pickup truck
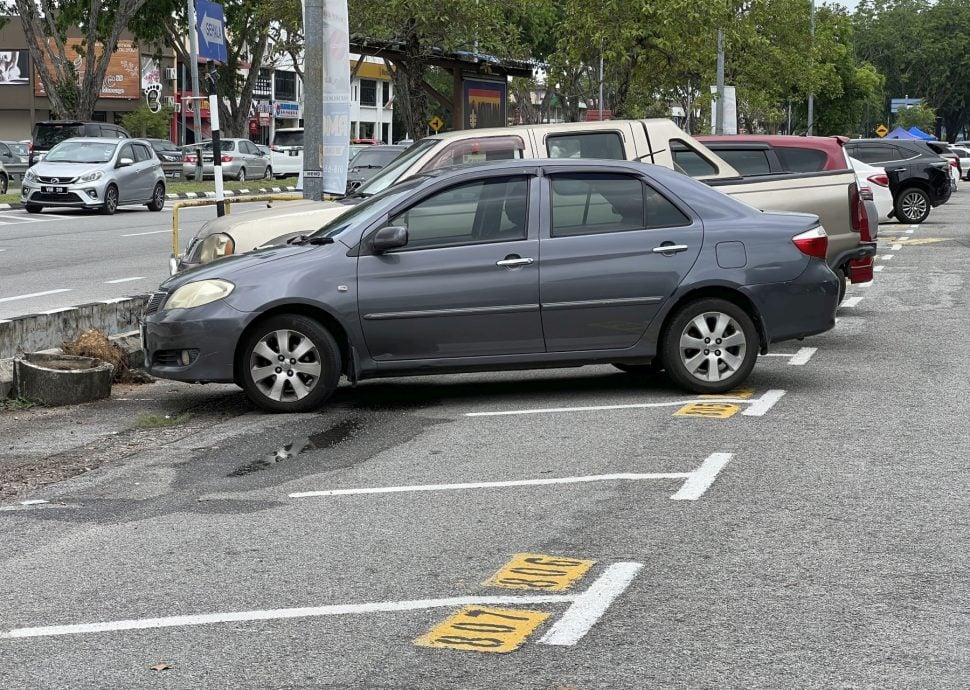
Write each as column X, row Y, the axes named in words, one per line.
column 831, row 195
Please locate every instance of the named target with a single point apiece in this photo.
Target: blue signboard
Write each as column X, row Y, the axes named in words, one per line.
column 210, row 23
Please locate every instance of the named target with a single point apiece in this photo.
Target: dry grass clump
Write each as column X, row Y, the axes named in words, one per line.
column 95, row 343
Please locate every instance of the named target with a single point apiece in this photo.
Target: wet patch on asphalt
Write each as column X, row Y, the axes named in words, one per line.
column 325, row 439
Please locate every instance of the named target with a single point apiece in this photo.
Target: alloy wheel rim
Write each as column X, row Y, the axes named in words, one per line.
column 914, row 205
column 112, row 199
column 712, row 346
column 158, row 195
column 285, row 365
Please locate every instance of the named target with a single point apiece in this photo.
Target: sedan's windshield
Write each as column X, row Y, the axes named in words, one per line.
column 81, row 152
column 19, row 149
column 374, row 157
column 372, row 206
column 392, row 173
column 224, row 145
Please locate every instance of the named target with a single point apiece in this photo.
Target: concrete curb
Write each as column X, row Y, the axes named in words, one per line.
column 229, row 193
column 118, row 319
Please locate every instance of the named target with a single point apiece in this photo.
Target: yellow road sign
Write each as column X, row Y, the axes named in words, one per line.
column 713, row 410
column 882, row 130
column 481, row 629
column 538, row 571
column 436, row 123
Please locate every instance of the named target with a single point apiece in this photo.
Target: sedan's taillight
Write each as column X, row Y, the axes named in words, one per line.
column 880, row 179
column 814, row 242
column 227, row 159
column 190, row 159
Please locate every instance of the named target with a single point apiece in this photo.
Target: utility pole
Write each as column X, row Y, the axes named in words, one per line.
column 601, row 84
column 313, row 100
column 811, row 62
column 719, row 120
column 194, row 66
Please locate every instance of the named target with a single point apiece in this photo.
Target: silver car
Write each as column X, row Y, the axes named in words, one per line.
column 13, row 157
column 241, row 160
column 96, row 173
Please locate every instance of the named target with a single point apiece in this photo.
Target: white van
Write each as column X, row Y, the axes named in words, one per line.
column 287, row 152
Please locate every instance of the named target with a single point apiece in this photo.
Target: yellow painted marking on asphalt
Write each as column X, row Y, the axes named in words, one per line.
column 538, row 571
column 911, row 241
column 481, row 629
column 737, row 393
column 710, row 410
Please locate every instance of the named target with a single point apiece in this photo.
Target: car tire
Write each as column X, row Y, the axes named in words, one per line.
column 158, row 198
column 683, row 346
column 843, row 284
column 110, row 204
column 33, row 208
column 269, row 384
column 912, row 205
column 268, row 175
column 4, row 183
column 241, row 176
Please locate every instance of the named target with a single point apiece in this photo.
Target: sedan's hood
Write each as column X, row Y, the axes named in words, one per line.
column 65, row 170
column 237, row 264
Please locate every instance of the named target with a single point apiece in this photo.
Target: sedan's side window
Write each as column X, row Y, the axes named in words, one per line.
column 141, row 153
column 606, row 145
column 595, row 203
column 492, row 210
column 126, row 152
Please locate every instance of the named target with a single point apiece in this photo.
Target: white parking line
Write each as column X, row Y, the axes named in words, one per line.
column 153, row 232
column 764, row 403
column 896, row 247
column 697, row 482
column 590, row 606
column 124, row 280
column 851, row 302
column 912, row 229
column 607, row 587
column 802, row 356
column 878, row 267
column 34, row 294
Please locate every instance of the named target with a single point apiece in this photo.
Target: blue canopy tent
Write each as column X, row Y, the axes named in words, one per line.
column 920, row 134
column 900, row 133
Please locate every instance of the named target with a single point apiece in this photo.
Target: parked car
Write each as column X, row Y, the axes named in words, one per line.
column 94, row 173
column 828, row 194
column 49, row 133
column 367, row 162
column 919, row 179
column 875, row 179
column 241, row 160
column 4, row 179
column 14, row 156
column 170, row 156
column 287, row 148
column 512, row 264
column 964, row 157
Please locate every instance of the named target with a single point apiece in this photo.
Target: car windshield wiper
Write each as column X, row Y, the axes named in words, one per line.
column 304, row 239
column 360, row 167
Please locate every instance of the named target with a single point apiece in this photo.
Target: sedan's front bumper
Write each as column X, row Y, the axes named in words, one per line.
column 194, row 345
column 78, row 195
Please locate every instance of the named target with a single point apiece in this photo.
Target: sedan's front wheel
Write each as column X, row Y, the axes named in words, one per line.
column 158, row 198
column 110, row 204
column 3, row 183
column 289, row 363
column 710, row 346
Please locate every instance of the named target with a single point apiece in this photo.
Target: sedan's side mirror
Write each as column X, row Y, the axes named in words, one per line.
column 125, row 162
column 391, row 237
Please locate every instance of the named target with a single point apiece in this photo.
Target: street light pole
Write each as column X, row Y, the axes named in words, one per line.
column 313, row 100
column 811, row 62
column 194, row 66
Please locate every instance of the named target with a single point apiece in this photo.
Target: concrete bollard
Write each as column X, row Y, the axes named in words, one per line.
column 57, row 379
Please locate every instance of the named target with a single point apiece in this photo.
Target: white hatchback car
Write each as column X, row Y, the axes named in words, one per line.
column 875, row 178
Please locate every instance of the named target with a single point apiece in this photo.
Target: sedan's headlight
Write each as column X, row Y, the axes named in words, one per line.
column 92, row 176
column 198, row 293
column 215, row 247
column 29, row 176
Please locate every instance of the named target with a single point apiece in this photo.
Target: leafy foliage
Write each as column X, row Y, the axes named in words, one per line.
column 144, row 123
column 920, row 115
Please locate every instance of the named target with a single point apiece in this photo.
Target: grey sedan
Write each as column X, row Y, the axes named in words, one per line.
column 241, row 160
column 513, row 264
column 13, row 157
column 97, row 173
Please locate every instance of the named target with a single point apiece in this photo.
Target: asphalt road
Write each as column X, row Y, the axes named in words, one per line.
column 63, row 258
column 810, row 532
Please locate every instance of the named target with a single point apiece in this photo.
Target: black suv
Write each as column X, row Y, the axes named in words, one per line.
column 47, row 134
column 919, row 178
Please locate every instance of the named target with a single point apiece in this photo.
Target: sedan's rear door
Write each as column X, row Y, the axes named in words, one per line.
column 613, row 249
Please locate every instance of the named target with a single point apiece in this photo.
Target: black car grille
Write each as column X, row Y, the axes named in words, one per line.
column 173, row 358
column 71, row 197
column 155, row 302
column 57, row 180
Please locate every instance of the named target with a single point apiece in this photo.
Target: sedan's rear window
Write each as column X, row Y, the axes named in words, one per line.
column 801, row 160
column 288, row 139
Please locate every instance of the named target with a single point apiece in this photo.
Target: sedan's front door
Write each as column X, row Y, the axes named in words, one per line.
column 615, row 249
column 127, row 175
column 467, row 282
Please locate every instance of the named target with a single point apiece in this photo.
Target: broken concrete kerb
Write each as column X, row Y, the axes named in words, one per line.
column 58, row 379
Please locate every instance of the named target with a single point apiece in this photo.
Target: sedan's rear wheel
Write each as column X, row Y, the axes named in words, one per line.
column 710, row 346
column 110, row 204
column 290, row 363
column 268, row 175
column 912, row 206
column 242, row 175
column 3, row 183
column 158, row 198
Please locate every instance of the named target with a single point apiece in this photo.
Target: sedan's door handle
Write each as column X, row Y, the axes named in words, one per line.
column 670, row 248
column 513, row 261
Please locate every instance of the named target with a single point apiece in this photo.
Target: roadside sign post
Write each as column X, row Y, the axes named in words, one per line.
column 217, row 155
column 882, row 130
column 211, row 31
column 436, row 123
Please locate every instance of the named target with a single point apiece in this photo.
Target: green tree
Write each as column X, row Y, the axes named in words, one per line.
column 919, row 115
column 249, row 24
column 73, row 92
column 144, row 123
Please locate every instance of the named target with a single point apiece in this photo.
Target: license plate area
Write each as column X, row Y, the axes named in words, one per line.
column 54, row 190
